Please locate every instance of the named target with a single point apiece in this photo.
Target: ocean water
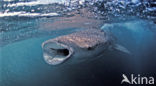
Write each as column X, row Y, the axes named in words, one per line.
column 26, row 24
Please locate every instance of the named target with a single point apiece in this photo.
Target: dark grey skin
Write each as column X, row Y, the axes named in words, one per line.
column 79, row 46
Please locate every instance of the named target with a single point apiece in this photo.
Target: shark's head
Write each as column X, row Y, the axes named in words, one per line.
column 56, row 53
column 78, row 46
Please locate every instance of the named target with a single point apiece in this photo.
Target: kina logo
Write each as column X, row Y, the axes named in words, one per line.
column 137, row 79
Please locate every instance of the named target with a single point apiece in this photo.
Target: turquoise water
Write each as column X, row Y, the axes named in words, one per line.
column 25, row 60
column 22, row 62
column 21, row 57
column 138, row 36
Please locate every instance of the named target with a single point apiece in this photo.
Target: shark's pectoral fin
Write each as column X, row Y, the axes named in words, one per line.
column 121, row 48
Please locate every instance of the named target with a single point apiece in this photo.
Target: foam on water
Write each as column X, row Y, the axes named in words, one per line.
column 138, row 8
column 25, row 14
column 34, row 3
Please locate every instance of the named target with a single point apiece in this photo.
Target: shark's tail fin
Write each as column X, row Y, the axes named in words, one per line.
column 121, row 48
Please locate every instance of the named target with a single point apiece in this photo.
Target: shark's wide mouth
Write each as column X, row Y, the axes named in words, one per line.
column 55, row 53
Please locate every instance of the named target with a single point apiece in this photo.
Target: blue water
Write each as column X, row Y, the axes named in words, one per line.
column 22, row 63
column 138, row 36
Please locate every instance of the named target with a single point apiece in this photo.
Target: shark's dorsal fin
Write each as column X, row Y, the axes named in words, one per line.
column 121, row 48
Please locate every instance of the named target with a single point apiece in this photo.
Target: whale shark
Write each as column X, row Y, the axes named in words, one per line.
column 79, row 46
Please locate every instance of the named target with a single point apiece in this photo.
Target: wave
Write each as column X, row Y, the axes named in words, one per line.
column 32, row 3
column 151, row 9
column 44, row 2
column 25, row 14
column 106, row 8
column 8, row 0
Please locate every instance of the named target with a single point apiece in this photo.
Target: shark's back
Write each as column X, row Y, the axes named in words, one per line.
column 85, row 39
